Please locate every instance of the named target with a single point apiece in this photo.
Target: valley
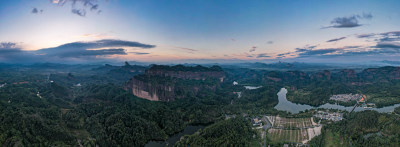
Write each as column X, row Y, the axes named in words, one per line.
column 152, row 105
column 199, row 73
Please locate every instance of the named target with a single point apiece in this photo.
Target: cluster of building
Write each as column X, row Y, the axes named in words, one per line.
column 346, row 97
column 235, row 83
column 257, row 122
column 332, row 116
column 252, row 87
column 2, row 85
column 238, row 93
column 38, row 94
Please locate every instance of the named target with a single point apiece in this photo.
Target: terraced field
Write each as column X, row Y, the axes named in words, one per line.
column 297, row 130
column 281, row 122
column 281, row 135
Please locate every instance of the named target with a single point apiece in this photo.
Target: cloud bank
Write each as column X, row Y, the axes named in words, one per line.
column 252, row 49
column 336, row 39
column 349, row 22
column 79, row 6
column 75, row 51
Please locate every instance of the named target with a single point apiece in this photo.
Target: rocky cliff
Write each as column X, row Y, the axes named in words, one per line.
column 167, row 83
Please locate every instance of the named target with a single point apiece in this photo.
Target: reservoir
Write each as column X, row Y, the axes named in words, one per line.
column 294, row 108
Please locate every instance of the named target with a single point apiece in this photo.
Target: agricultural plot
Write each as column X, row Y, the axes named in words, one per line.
column 281, row 135
column 290, row 123
column 298, row 130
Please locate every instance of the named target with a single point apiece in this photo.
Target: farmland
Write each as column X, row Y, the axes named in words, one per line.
column 294, row 130
column 282, row 135
column 281, row 122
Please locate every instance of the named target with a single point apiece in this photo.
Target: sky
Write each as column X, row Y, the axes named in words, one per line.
column 89, row 31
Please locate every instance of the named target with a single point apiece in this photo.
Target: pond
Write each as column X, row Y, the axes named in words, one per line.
column 175, row 138
column 294, row 108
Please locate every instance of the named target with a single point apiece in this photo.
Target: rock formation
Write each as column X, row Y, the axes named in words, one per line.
column 167, row 83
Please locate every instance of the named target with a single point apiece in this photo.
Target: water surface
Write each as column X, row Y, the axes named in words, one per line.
column 294, row 108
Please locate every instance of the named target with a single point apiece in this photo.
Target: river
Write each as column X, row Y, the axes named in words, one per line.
column 294, row 108
column 175, row 138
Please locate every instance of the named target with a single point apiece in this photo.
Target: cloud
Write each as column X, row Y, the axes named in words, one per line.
column 263, row 55
column 305, row 48
column 187, row 49
column 318, row 52
column 348, row 22
column 93, row 48
column 393, row 45
column 392, row 33
column 100, row 52
column 366, row 35
column 382, row 36
column 75, row 52
column 80, row 12
column 253, row 48
column 336, row 39
column 139, row 53
column 7, row 48
column 79, row 6
column 10, row 52
column 7, row 45
column 381, row 50
column 94, row 7
column 36, row 11
column 283, row 54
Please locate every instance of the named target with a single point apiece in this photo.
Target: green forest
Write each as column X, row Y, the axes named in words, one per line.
column 88, row 106
column 367, row 128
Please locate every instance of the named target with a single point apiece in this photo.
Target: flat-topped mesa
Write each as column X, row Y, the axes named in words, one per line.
column 186, row 72
column 387, row 72
column 167, row 83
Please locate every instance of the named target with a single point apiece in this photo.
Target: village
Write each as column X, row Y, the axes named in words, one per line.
column 332, row 116
column 346, row 97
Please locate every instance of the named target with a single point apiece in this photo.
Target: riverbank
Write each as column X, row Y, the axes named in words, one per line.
column 285, row 105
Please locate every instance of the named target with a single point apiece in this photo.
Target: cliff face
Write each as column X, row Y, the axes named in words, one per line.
column 150, row 91
column 165, row 83
column 322, row 75
column 382, row 74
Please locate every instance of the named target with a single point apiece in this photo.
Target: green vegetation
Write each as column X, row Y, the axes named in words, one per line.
column 397, row 110
column 367, row 128
column 231, row 132
column 317, row 93
column 97, row 111
column 185, row 68
column 100, row 112
column 380, row 85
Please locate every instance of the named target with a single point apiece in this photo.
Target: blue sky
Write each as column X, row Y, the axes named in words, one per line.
column 181, row 30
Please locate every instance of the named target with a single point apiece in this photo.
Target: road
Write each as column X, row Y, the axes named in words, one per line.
column 266, row 127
